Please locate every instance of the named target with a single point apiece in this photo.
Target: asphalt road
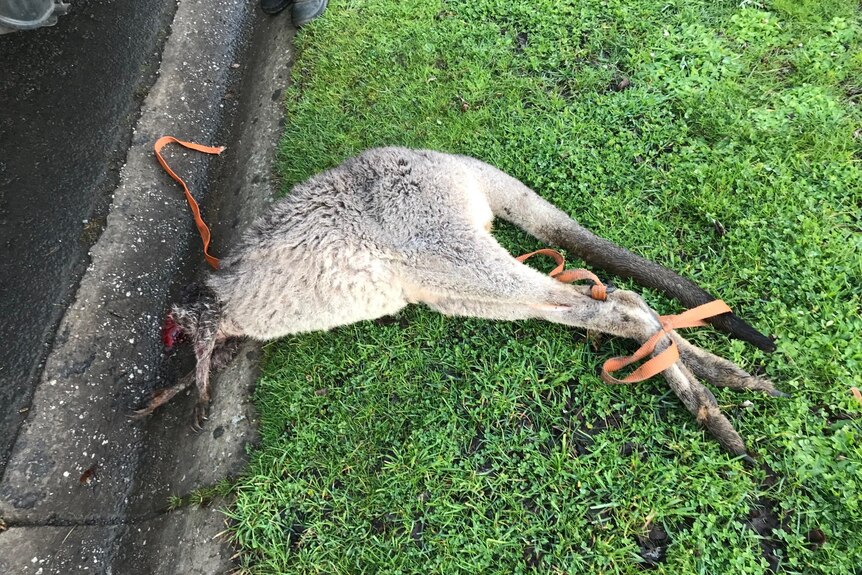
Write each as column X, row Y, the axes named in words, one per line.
column 69, row 97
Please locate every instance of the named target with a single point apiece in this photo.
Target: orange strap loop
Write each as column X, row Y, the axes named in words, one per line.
column 196, row 212
column 691, row 318
column 597, row 291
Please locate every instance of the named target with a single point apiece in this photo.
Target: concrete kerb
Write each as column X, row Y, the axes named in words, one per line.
column 85, row 489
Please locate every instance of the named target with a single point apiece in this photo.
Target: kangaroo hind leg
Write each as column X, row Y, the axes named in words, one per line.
column 496, row 286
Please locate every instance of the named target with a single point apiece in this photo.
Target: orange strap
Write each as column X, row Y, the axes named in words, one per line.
column 196, row 212
column 691, row 318
column 597, row 291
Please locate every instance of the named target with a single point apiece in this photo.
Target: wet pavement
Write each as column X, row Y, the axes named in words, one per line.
column 69, row 97
column 84, row 487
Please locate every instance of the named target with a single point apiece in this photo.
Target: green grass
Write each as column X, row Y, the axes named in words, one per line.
column 202, row 496
column 439, row 445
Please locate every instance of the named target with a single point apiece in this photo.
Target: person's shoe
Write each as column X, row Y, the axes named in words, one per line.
column 304, row 11
column 274, row 6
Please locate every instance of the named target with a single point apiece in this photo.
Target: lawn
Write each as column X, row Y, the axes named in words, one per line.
column 722, row 139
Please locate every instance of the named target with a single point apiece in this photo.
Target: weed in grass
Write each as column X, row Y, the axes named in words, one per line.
column 202, row 496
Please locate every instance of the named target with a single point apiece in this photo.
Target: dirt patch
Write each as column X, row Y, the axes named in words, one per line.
column 832, row 417
column 583, row 431
column 534, row 553
column 763, row 520
column 392, row 320
column 653, row 546
column 815, row 539
column 619, row 83
column 475, row 443
column 386, row 524
column 852, row 91
column 521, row 41
column 630, row 448
column 416, row 533
column 293, row 528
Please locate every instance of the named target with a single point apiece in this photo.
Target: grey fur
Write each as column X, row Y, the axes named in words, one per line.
column 395, row 226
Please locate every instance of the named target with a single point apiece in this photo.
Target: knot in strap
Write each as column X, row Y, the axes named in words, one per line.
column 597, row 291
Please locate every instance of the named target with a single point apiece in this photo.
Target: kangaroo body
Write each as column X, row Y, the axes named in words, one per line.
column 395, row 226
